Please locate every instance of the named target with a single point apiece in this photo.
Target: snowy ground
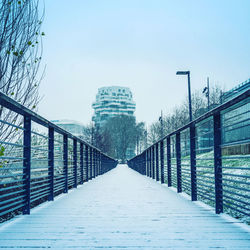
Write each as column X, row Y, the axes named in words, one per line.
column 122, row 210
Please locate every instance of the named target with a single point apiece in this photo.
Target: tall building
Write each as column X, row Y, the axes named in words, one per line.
column 112, row 101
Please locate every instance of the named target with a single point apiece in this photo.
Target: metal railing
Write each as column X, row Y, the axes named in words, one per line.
column 39, row 160
column 209, row 158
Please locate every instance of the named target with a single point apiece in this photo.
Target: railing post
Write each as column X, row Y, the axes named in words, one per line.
column 27, row 162
column 87, row 162
column 103, row 164
column 147, row 162
column 65, row 161
column 51, row 164
column 94, row 161
column 150, row 162
column 91, row 163
column 178, row 162
column 75, row 162
column 157, row 161
column 100, row 163
column 153, row 162
column 193, row 163
column 169, row 162
column 148, row 159
column 162, row 161
column 218, row 164
column 81, row 162
column 97, row 163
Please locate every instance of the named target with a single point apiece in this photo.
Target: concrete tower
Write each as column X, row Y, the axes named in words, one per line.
column 112, row 101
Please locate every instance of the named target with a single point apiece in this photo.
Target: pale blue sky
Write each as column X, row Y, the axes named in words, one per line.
column 140, row 44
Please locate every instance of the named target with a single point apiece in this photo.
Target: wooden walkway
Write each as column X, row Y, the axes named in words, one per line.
column 123, row 210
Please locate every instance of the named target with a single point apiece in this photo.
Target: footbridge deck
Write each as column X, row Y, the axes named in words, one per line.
column 123, row 209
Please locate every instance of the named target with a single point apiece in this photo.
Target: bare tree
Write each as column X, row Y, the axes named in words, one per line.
column 20, row 57
column 180, row 115
column 140, row 136
column 88, row 133
column 119, row 135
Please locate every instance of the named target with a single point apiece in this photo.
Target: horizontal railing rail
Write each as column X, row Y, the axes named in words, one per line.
column 208, row 158
column 39, row 160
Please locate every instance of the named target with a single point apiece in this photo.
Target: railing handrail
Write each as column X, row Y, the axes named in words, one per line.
column 208, row 158
column 204, row 116
column 13, row 105
column 76, row 162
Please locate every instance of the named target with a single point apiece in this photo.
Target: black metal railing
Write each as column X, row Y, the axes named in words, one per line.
column 39, row 160
column 209, row 158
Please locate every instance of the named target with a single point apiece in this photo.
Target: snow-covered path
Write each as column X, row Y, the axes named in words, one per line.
column 122, row 210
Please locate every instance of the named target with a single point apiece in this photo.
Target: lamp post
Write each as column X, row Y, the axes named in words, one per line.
column 189, row 91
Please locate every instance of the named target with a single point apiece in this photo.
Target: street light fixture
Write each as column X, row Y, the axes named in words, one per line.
column 189, row 91
column 206, row 91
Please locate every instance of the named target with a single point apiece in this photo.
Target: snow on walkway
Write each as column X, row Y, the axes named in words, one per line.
column 122, row 210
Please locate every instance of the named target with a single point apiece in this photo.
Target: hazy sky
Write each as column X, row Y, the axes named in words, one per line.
column 140, row 44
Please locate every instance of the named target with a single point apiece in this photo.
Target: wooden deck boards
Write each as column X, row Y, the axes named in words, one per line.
column 122, row 210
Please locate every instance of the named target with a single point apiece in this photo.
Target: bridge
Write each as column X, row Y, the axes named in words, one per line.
column 188, row 190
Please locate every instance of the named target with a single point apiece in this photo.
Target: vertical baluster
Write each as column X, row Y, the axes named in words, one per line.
column 157, row 161
column 169, row 162
column 91, row 163
column 162, row 160
column 193, row 163
column 94, row 162
column 75, row 162
column 150, row 162
column 27, row 162
column 153, row 161
column 101, row 163
column 87, row 161
column 218, row 164
column 51, row 164
column 81, row 162
column 65, row 161
column 145, row 163
column 96, row 172
column 178, row 162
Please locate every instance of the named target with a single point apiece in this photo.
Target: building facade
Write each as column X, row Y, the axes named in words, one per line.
column 74, row 127
column 112, row 101
column 236, row 123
